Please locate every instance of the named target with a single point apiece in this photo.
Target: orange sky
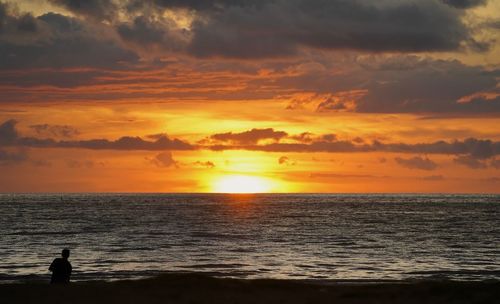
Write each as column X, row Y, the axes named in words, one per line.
column 221, row 96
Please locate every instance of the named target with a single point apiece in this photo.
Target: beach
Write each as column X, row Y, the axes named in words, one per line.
column 196, row 288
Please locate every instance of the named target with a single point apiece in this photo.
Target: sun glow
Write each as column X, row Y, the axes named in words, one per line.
column 242, row 184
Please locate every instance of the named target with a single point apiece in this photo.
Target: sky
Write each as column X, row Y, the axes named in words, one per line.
column 250, row 96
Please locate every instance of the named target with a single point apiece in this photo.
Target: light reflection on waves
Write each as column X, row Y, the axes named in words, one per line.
column 374, row 237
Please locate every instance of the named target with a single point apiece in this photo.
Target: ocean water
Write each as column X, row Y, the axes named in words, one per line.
column 307, row 236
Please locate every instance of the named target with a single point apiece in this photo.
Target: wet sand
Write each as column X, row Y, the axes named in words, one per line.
column 193, row 288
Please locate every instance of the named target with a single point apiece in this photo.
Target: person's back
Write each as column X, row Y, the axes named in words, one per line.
column 61, row 268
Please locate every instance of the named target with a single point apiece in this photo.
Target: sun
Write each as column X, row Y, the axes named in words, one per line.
column 241, row 184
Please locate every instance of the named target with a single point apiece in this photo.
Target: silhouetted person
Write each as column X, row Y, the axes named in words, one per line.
column 61, row 269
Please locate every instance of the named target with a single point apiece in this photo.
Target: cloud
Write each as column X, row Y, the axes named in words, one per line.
column 445, row 83
column 19, row 156
column 97, row 9
column 9, row 158
column 142, row 54
column 282, row 27
column 206, row 164
column 267, row 140
column 476, row 148
column 308, row 137
column 470, row 162
column 250, row 137
column 10, row 137
column 285, row 160
column 153, row 33
column 57, row 41
column 393, row 84
column 276, row 28
column 305, row 137
column 164, row 160
column 20, row 24
column 55, row 130
column 3, row 13
column 8, row 132
column 338, row 102
column 417, row 162
column 464, row 4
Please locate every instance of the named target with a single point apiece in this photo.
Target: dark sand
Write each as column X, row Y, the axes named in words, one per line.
column 191, row 289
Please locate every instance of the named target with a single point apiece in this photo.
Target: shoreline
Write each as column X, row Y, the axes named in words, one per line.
column 200, row 288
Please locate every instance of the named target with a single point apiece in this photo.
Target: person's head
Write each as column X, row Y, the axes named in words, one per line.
column 65, row 253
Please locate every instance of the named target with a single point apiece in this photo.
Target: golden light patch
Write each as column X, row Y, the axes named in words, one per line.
column 242, row 184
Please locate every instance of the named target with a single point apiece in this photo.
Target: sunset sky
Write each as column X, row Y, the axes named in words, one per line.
column 250, row 96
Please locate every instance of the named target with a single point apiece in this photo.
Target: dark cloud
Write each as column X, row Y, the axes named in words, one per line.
column 10, row 137
column 55, row 130
column 285, row 160
column 27, row 23
column 9, row 158
column 308, row 137
column 250, row 137
column 476, row 148
column 464, row 4
column 335, row 104
column 8, row 132
column 208, row 4
column 141, row 31
column 123, row 143
column 156, row 136
column 18, row 24
column 255, row 29
column 16, row 156
column 57, row 41
column 394, row 84
column 281, row 27
column 57, row 78
column 164, row 160
column 417, row 162
column 97, row 9
column 3, row 13
column 382, row 84
column 276, row 28
column 473, row 147
column 305, row 137
column 445, row 83
column 157, row 32
column 470, row 162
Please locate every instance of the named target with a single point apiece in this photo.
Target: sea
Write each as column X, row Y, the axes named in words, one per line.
column 312, row 237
